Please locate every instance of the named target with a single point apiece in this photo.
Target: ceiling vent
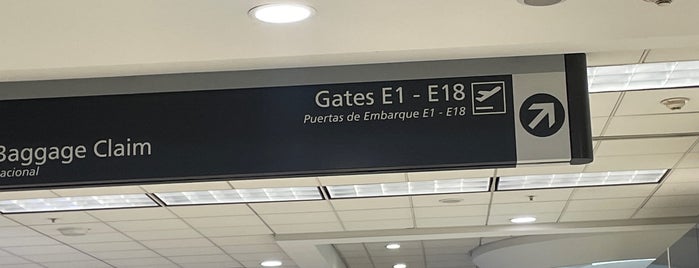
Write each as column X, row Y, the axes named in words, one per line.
column 661, row 3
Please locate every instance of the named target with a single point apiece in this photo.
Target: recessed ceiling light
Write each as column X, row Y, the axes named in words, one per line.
column 73, row 231
column 271, row 263
column 643, row 76
column 540, row 3
column 400, row 265
column 281, row 13
column 580, row 179
column 241, row 196
column 393, row 246
column 76, row 203
column 410, row 188
column 523, row 220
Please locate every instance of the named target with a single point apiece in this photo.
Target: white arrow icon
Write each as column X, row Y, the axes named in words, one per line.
column 545, row 109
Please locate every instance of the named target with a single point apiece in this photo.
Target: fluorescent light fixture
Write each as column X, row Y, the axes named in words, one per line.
column 241, row 196
column 623, row 261
column 76, row 203
column 643, row 76
column 520, row 220
column 271, row 263
column 410, row 188
column 400, row 265
column 580, row 179
column 281, row 13
column 393, row 246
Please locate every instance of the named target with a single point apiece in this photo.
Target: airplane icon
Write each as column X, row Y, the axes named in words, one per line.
column 485, row 94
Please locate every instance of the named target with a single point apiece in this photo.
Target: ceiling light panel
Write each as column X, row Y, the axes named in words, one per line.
column 410, row 188
column 76, row 203
column 643, row 76
column 241, row 196
column 579, row 179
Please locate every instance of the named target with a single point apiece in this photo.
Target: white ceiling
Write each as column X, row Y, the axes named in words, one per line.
column 82, row 38
column 79, row 38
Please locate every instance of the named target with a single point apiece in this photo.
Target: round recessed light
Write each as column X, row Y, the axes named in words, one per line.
column 400, row 265
column 281, row 13
column 540, row 3
column 271, row 263
column 523, row 220
column 393, row 246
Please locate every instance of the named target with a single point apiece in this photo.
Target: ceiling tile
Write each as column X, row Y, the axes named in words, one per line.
column 363, row 179
column 27, row 241
column 93, row 238
column 150, row 262
column 111, row 190
column 603, row 215
column 6, row 222
column 44, row 218
column 211, row 210
column 605, row 204
column 243, row 240
column 378, row 224
column 233, row 231
column 40, row 250
column 307, row 228
column 681, row 175
column 502, row 197
column 540, row 218
column 147, row 225
column 93, row 228
column 26, row 194
column 69, row 257
column 598, row 124
column 397, row 253
column 381, row 246
column 108, row 246
column 450, row 174
column 689, row 188
column 178, row 243
column 672, row 201
column 221, row 258
column 26, row 265
column 274, row 183
column 602, row 104
column 690, row 160
column 667, row 212
column 633, row 162
column 467, row 199
column 74, row 264
column 464, row 243
column 640, row 102
column 451, row 211
column 163, row 234
column 189, row 251
column 238, row 249
column 125, row 254
column 371, row 203
column 653, row 124
column 673, row 54
column 375, row 214
column 187, row 187
column 540, row 170
column 228, row 264
column 645, row 146
column 12, row 260
column 209, row 222
column 258, row 257
column 617, row 191
column 614, row 58
column 291, row 207
column 450, row 222
column 527, row 208
column 299, row 218
column 17, row 231
column 133, row 214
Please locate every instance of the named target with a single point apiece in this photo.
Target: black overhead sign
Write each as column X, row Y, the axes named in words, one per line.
column 295, row 122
